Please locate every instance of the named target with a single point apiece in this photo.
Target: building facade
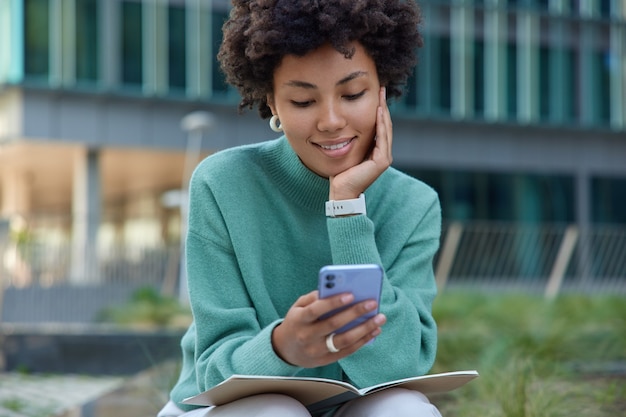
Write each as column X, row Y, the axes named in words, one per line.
column 516, row 111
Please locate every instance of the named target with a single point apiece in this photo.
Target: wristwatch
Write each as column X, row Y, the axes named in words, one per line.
column 336, row 208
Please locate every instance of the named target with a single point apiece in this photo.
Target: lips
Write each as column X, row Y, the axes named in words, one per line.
column 336, row 146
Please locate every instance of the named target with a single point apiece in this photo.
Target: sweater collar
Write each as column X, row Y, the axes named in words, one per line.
column 293, row 178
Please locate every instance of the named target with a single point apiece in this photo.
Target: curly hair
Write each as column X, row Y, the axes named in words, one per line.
column 259, row 33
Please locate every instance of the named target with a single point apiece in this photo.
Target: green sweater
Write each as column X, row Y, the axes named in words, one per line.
column 257, row 237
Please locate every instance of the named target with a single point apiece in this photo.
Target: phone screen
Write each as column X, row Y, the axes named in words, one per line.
column 364, row 281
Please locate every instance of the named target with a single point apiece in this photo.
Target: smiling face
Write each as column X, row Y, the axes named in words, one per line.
column 327, row 107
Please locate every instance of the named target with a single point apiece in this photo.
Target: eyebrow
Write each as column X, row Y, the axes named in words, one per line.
column 344, row 80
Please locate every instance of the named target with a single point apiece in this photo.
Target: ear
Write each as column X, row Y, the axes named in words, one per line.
column 270, row 102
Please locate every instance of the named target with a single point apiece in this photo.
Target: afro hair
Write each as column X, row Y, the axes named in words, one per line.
column 259, row 33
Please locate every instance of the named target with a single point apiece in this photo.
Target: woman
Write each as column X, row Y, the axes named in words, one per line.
column 258, row 231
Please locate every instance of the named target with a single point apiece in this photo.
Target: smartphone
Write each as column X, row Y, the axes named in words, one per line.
column 363, row 280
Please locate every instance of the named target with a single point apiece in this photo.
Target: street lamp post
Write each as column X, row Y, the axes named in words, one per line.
column 195, row 125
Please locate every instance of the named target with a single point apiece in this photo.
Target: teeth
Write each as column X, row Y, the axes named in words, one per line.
column 337, row 146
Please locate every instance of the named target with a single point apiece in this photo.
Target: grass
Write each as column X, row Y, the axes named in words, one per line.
column 147, row 308
column 45, row 395
column 536, row 357
column 13, row 404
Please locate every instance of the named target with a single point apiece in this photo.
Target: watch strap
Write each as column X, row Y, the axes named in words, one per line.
column 336, row 208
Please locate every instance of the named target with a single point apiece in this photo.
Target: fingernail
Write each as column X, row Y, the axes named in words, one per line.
column 347, row 298
column 370, row 305
column 379, row 319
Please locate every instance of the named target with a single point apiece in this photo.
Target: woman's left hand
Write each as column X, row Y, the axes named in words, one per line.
column 352, row 182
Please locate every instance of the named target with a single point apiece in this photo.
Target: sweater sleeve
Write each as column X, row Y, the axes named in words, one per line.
column 228, row 338
column 407, row 345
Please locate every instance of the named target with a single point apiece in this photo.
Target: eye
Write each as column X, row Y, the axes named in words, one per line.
column 301, row 103
column 356, row 96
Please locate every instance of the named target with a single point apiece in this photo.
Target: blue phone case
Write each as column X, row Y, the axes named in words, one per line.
column 363, row 280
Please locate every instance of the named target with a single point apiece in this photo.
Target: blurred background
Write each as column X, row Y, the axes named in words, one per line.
column 516, row 115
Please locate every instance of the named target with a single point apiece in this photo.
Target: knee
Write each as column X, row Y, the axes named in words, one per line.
column 393, row 402
column 282, row 405
column 407, row 403
column 275, row 405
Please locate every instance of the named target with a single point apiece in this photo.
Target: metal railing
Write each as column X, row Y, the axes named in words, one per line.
column 539, row 258
column 40, row 285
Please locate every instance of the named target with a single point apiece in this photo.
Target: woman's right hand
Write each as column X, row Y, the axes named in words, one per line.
column 354, row 181
column 301, row 338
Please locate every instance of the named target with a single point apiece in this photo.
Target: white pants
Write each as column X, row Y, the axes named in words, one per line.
column 394, row 402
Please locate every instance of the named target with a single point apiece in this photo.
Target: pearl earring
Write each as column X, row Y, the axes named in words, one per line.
column 275, row 124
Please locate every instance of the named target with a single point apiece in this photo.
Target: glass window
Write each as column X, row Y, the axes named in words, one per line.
column 603, row 72
column 511, row 80
column 608, row 200
column 218, row 81
column 36, row 38
column 545, row 198
column 570, row 76
column 6, row 49
column 177, row 52
column 543, row 4
column 544, row 83
column 443, row 68
column 131, row 43
column 572, row 6
column 605, row 8
column 502, row 196
column 479, row 78
column 87, row 45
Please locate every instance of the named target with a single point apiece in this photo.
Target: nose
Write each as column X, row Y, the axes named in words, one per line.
column 331, row 118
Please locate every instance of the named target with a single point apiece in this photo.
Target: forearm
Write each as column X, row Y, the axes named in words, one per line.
column 408, row 342
column 352, row 240
column 229, row 337
column 407, row 345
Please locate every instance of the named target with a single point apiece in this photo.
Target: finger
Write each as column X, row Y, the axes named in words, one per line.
column 300, row 311
column 382, row 149
column 306, row 299
column 355, row 338
column 323, row 306
column 366, row 331
column 385, row 122
column 382, row 132
column 348, row 315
